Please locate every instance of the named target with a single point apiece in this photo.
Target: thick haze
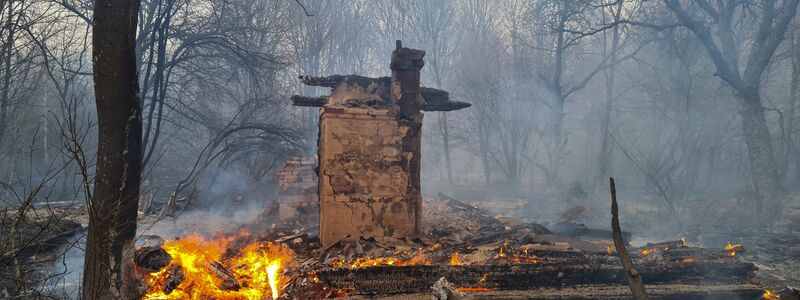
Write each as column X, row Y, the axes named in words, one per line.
column 564, row 94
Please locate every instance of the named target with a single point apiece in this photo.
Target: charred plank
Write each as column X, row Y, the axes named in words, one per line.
column 439, row 100
column 174, row 278
column 298, row 100
column 334, row 80
column 227, row 281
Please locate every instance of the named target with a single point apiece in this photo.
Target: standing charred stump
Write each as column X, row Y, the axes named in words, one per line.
column 631, row 274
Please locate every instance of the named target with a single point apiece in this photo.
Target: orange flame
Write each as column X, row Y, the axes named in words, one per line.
column 365, row 262
column 465, row 289
column 647, row 252
column 256, row 267
column 478, row 287
column 688, row 260
column 769, row 295
column 526, row 259
column 454, row 259
column 419, row 258
column 732, row 247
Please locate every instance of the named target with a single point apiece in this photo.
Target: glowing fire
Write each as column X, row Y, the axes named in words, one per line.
column 732, row 247
column 256, row 268
column 647, row 252
column 501, row 252
column 365, row 262
column 688, row 260
column 769, row 295
column 454, row 259
column 466, row 289
column 526, row 259
column 478, row 287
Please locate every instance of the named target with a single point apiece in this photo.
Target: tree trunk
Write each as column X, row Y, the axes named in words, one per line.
column 109, row 272
column 8, row 49
column 759, row 148
column 445, row 132
column 604, row 159
column 794, row 87
column 556, row 155
column 483, row 137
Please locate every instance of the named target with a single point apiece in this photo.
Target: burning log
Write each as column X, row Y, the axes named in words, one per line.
column 662, row 245
column 228, row 281
column 175, row 277
column 152, row 259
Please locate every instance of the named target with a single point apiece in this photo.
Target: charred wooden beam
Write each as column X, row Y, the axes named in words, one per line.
column 228, row 281
column 395, row 280
column 174, row 278
column 328, row 81
column 435, row 99
column 298, row 100
column 334, row 80
column 439, row 100
column 660, row 292
column 444, row 106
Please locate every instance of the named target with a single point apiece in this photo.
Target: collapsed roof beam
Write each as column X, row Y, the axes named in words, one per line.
column 298, row 100
column 435, row 99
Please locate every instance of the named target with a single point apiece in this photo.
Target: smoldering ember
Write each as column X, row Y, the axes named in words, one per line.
column 399, row 149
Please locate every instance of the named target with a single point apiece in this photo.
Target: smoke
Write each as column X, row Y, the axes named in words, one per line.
column 65, row 277
column 223, row 201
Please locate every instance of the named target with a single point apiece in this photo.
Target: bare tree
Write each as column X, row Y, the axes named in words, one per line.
column 717, row 28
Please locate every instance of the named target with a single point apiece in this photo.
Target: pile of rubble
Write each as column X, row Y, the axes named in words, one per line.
column 485, row 257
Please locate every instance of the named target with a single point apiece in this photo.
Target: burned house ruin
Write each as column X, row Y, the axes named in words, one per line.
column 296, row 200
column 369, row 149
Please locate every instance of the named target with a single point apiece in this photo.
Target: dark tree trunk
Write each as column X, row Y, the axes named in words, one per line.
column 445, row 132
column 604, row 159
column 759, row 147
column 109, row 271
column 6, row 55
